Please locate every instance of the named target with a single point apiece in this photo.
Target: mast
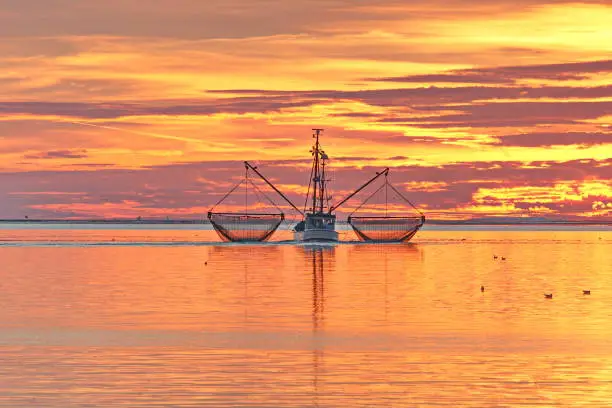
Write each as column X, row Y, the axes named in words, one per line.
column 317, row 184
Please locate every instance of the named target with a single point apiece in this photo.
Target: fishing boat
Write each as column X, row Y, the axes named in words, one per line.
column 318, row 222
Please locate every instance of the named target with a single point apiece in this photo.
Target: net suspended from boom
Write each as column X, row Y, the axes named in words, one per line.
column 387, row 228
column 247, row 226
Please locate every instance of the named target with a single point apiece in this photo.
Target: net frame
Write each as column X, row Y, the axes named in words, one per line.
column 401, row 235
column 397, row 234
column 221, row 221
column 238, row 234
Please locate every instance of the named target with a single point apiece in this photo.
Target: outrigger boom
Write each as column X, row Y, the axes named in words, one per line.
column 248, row 165
column 373, row 179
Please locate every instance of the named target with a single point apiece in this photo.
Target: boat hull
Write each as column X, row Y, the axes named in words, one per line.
column 316, row 235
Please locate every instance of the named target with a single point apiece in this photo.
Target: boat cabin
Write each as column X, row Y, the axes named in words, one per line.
column 326, row 222
column 321, row 221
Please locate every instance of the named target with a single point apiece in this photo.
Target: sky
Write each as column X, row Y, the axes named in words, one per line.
column 128, row 108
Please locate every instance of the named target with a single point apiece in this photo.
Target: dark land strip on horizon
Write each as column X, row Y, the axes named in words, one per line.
column 132, row 221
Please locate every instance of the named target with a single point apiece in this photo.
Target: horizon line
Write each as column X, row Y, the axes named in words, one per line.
column 153, row 221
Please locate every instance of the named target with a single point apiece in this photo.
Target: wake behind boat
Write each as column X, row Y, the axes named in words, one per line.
column 318, row 222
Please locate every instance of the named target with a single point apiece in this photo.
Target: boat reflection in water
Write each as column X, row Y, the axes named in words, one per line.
column 328, row 264
column 320, row 257
column 317, row 256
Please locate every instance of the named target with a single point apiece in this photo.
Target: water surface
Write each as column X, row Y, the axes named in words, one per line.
column 170, row 317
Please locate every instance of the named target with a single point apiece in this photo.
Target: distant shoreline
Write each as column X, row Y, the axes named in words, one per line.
column 468, row 222
column 102, row 221
column 204, row 221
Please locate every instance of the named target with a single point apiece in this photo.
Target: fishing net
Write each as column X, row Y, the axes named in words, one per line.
column 386, row 229
column 245, row 227
column 241, row 223
column 393, row 219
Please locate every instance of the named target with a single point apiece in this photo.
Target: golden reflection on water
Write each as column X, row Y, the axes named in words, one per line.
column 289, row 325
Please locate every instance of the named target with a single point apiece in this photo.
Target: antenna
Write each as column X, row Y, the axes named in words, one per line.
column 317, row 132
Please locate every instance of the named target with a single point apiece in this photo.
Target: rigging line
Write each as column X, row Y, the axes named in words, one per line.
column 366, row 201
column 258, row 192
column 273, row 187
column 309, row 185
column 407, row 200
column 354, row 193
column 328, row 195
column 386, row 195
column 227, row 195
column 258, row 195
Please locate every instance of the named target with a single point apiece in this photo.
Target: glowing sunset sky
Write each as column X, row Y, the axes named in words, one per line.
column 146, row 108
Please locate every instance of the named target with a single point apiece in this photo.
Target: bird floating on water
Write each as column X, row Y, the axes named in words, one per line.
column 481, row 288
column 548, row 295
column 494, row 256
column 586, row 292
column 503, row 259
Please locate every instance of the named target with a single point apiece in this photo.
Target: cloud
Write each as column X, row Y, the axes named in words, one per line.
column 89, row 165
column 95, row 88
column 10, row 80
column 357, row 115
column 110, row 110
column 35, row 48
column 544, row 139
column 58, row 154
column 187, row 19
column 506, row 114
column 511, row 74
column 456, row 78
column 429, row 96
column 446, row 188
column 422, row 99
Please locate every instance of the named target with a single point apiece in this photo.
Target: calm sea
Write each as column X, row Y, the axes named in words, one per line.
column 136, row 316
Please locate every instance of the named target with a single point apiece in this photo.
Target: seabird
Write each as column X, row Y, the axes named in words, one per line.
column 548, row 295
column 586, row 292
